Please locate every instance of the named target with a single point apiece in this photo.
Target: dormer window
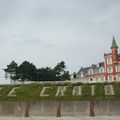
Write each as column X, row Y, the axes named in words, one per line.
column 102, row 70
column 90, row 71
column 81, row 75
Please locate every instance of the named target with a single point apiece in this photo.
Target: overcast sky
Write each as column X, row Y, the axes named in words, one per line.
column 45, row 32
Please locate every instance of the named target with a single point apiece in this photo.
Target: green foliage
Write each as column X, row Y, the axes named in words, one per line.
column 27, row 71
column 10, row 71
column 66, row 75
column 46, row 74
column 61, row 74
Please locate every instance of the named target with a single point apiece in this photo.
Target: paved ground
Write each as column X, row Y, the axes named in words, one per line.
column 62, row 118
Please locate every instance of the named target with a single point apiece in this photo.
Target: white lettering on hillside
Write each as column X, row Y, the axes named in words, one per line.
column 61, row 90
column 92, row 90
column 76, row 90
column 109, row 90
column 42, row 94
column 12, row 93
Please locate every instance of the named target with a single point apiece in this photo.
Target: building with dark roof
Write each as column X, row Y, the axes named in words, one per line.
column 107, row 71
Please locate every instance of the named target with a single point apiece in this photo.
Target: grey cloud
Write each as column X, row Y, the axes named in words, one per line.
column 70, row 30
column 28, row 39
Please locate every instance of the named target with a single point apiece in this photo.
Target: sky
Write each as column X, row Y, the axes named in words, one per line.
column 46, row 32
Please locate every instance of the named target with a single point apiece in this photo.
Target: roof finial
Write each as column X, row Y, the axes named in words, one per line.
column 114, row 45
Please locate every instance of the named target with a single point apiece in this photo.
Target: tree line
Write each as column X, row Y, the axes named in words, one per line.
column 27, row 71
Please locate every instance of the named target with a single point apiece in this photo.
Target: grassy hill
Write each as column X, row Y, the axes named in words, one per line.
column 32, row 92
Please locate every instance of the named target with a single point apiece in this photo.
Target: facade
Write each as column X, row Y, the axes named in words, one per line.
column 107, row 71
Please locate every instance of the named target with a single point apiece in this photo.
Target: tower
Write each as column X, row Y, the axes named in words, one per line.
column 114, row 48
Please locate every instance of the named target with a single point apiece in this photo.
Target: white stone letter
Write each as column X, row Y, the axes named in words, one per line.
column 12, row 93
column 61, row 90
column 76, row 90
column 42, row 94
column 109, row 90
column 92, row 90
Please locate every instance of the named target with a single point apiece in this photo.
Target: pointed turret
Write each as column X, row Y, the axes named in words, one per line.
column 114, row 48
column 114, row 45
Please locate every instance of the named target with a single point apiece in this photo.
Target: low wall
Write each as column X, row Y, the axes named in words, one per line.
column 11, row 109
column 60, row 108
column 75, row 108
column 42, row 108
column 108, row 107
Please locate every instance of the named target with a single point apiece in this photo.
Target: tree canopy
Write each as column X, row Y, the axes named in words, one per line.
column 10, row 71
column 27, row 71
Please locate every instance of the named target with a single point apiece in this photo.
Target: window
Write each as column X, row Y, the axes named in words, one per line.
column 91, row 79
column 74, row 75
column 96, row 79
column 118, row 68
column 110, row 70
column 110, row 78
column 118, row 77
column 109, row 61
column 102, row 79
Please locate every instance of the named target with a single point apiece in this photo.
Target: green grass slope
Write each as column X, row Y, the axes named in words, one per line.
column 32, row 92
